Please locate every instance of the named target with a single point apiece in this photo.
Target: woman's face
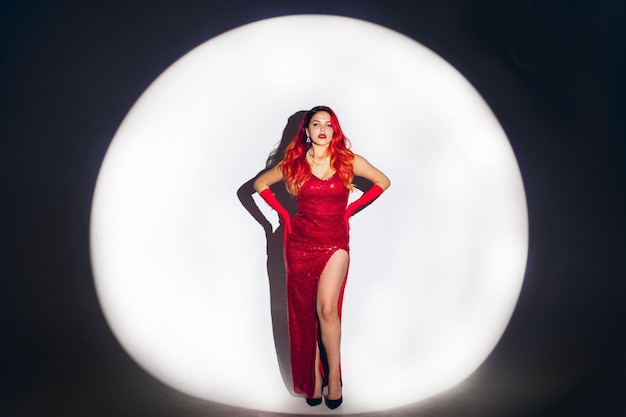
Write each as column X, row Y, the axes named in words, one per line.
column 320, row 130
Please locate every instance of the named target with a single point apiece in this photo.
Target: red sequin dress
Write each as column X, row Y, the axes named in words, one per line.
column 318, row 230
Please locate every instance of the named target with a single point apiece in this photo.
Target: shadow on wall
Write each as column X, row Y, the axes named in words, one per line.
column 274, row 249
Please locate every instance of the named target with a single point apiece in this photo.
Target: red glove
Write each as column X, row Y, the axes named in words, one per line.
column 269, row 197
column 364, row 200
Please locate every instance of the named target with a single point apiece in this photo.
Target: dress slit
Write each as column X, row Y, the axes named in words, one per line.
column 318, row 341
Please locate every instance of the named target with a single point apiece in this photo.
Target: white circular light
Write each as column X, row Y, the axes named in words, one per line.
column 437, row 261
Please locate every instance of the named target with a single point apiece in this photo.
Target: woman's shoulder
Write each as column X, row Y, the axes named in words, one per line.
column 358, row 160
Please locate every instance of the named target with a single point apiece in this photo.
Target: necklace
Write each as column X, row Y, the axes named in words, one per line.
column 318, row 168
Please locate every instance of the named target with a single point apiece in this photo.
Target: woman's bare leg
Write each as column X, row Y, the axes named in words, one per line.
column 328, row 291
column 318, row 375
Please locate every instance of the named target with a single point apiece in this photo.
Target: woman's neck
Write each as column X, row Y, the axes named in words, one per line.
column 318, row 153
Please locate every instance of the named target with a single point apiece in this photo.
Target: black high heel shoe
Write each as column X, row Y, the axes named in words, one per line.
column 314, row 401
column 332, row 404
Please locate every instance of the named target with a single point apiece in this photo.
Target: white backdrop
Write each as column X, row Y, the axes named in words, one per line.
column 437, row 261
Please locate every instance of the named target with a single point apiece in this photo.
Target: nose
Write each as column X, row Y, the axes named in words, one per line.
column 323, row 128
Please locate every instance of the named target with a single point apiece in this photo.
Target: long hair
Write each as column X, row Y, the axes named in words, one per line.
column 294, row 165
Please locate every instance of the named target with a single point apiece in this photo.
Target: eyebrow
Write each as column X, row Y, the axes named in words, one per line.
column 321, row 121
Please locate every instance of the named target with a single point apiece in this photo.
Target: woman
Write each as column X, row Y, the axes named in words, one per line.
column 318, row 168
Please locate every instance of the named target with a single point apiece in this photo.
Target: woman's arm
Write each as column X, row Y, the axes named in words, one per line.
column 364, row 169
column 268, row 178
column 262, row 186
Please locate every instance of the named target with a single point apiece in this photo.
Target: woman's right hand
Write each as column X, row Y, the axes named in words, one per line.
column 269, row 197
column 286, row 226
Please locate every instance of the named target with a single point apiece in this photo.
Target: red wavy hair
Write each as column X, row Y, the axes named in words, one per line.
column 296, row 168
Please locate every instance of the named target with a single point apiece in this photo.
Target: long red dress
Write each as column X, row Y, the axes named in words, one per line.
column 318, row 230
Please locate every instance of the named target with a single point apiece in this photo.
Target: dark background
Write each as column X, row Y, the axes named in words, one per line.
column 553, row 73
